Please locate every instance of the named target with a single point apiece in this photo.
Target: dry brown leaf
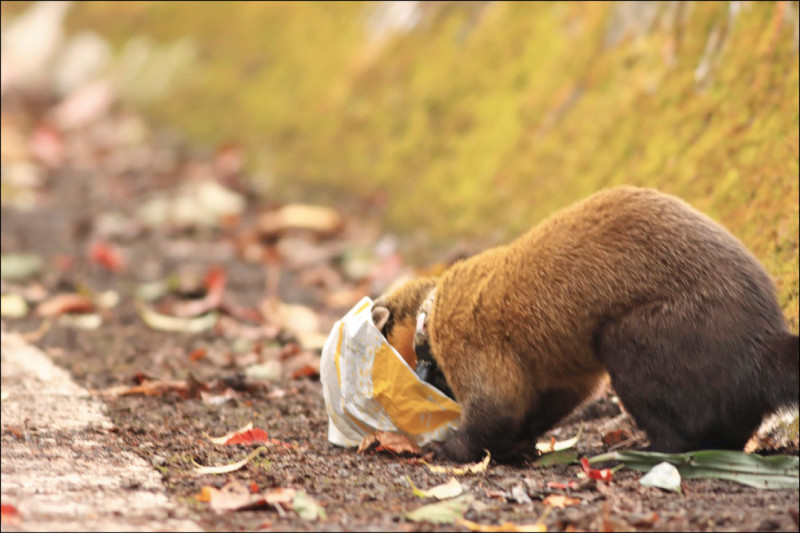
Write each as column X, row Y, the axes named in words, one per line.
column 184, row 388
column 316, row 219
column 560, row 501
column 214, row 284
column 235, row 496
column 505, row 526
column 473, row 468
column 616, row 436
column 230, row 467
column 389, row 441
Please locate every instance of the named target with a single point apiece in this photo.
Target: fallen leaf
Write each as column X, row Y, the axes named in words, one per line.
column 505, row 526
column 444, row 512
column 560, row 501
column 230, row 497
column 316, row 219
column 203, row 203
column 83, row 321
column 562, row 486
column 225, row 438
column 214, row 284
column 616, row 437
column 475, row 468
column 106, row 299
column 197, row 354
column 268, row 371
column 218, row 399
column 185, row 388
column 249, row 437
column 206, row 493
column 19, row 266
column 306, row 507
column 765, row 472
column 557, row 446
column 664, row 476
column 306, row 371
column 13, row 306
column 65, row 303
column 390, row 441
column 9, row 514
column 106, row 255
column 279, row 495
column 173, row 323
column 231, row 467
column 563, row 457
column 450, row 489
column 603, row 475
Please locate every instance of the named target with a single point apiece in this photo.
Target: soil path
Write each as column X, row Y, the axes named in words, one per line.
column 68, row 471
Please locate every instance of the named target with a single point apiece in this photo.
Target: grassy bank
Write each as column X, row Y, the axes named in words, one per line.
column 485, row 117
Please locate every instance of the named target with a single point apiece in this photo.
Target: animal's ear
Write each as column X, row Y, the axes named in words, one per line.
column 380, row 315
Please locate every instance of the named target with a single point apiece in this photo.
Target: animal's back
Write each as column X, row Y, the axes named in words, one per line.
column 678, row 311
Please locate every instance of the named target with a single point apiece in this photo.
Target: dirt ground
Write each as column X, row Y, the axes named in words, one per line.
column 88, row 185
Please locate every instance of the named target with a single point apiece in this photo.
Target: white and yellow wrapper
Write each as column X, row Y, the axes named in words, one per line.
column 368, row 386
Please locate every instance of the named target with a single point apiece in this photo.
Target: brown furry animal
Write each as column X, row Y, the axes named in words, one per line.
column 630, row 282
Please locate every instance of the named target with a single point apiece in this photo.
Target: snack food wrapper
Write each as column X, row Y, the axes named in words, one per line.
column 368, row 386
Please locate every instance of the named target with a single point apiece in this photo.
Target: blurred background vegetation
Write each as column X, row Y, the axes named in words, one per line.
column 471, row 121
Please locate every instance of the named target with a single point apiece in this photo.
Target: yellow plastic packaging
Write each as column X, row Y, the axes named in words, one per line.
column 368, row 386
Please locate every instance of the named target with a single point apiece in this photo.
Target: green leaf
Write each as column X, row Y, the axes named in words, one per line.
column 19, row 266
column 444, row 512
column 441, row 492
column 770, row 472
column 307, row 507
column 563, row 457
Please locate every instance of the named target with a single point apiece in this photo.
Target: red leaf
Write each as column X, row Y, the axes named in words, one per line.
column 9, row 514
column 562, row 486
column 603, row 475
column 249, row 437
column 197, row 354
column 65, row 303
column 306, row 371
column 104, row 254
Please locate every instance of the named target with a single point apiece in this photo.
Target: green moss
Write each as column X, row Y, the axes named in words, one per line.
column 490, row 116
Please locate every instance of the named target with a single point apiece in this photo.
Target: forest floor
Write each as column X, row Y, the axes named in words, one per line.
column 109, row 212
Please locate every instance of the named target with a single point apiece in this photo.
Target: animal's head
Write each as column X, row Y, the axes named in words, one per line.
column 402, row 316
column 395, row 314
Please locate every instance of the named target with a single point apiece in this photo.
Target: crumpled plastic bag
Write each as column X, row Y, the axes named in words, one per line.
column 368, row 386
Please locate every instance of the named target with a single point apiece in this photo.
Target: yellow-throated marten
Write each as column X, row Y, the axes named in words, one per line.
column 630, row 282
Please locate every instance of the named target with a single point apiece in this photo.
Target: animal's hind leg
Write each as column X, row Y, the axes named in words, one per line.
column 684, row 375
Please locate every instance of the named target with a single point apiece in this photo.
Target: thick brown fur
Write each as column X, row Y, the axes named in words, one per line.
column 630, row 282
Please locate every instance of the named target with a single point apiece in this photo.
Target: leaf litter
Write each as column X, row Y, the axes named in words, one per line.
column 187, row 195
